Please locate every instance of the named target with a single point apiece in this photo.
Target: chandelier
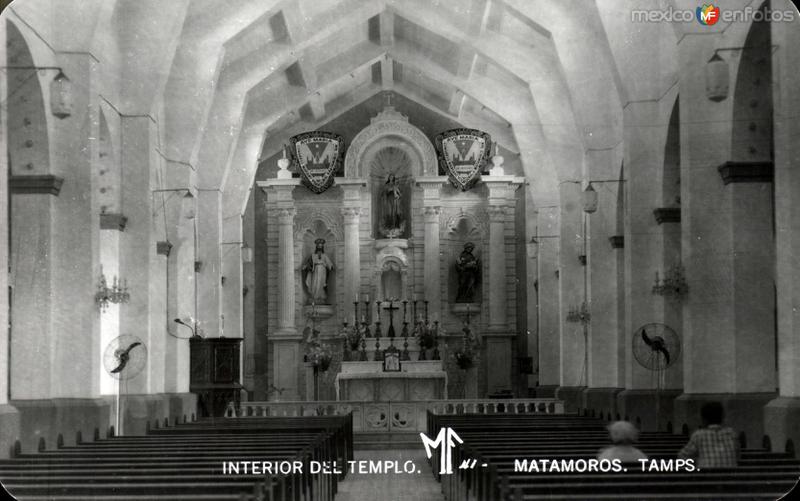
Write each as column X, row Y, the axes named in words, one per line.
column 116, row 294
column 673, row 285
column 582, row 315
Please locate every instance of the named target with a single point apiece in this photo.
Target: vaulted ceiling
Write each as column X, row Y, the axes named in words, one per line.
column 230, row 81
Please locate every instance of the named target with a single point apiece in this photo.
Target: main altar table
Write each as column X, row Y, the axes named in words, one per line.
column 367, row 382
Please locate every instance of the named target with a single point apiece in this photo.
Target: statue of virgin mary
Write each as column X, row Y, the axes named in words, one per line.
column 392, row 206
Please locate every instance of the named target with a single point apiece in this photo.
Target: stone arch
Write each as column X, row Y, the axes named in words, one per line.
column 751, row 136
column 28, row 108
column 391, row 128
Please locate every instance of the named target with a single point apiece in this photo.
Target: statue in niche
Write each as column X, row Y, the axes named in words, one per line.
column 468, row 270
column 317, row 267
column 393, row 222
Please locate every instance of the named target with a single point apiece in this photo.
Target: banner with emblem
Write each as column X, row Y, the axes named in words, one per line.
column 317, row 156
column 463, row 154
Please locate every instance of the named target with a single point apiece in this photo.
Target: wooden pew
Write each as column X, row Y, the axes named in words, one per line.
column 497, row 440
column 185, row 462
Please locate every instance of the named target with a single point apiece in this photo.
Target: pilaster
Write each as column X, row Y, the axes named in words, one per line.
column 431, row 207
column 499, row 335
column 286, row 359
column 351, row 210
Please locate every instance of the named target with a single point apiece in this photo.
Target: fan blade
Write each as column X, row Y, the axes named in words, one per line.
column 132, row 346
column 665, row 352
column 121, row 366
column 646, row 339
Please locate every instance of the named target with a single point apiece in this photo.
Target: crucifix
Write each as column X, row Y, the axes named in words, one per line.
column 390, row 309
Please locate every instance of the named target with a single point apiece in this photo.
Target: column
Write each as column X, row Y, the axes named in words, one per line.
column 782, row 414
column 499, row 335
column 647, row 248
column 286, row 299
column 547, row 239
column 498, row 320
column 433, row 282
column 9, row 417
column 286, row 355
column 606, row 338
column 352, row 261
column 431, row 192
column 144, row 316
column 351, row 217
column 572, row 294
column 728, row 254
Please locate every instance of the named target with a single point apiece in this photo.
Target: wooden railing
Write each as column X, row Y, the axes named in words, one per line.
column 398, row 415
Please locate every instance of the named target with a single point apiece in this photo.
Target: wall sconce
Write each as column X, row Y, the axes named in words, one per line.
column 717, row 78
column 116, row 294
column 60, row 90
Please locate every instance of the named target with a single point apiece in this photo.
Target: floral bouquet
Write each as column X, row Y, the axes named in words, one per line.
column 425, row 335
column 319, row 356
column 353, row 336
column 467, row 355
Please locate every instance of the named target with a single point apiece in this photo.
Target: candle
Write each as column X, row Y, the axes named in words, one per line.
column 284, row 151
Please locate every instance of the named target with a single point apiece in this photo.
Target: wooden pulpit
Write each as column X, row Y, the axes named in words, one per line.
column 214, row 374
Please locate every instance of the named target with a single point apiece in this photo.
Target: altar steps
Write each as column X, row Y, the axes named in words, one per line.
column 386, row 441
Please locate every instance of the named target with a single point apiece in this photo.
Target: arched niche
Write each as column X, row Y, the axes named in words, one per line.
column 390, row 157
column 390, row 280
column 390, row 127
column 316, row 227
column 457, row 231
column 390, row 145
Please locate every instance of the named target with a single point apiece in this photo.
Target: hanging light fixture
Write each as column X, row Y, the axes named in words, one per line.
column 60, row 90
column 247, row 254
column 61, row 96
column 717, row 78
column 589, row 199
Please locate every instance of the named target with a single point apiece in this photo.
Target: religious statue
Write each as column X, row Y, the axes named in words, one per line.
column 317, row 267
column 468, row 270
column 393, row 222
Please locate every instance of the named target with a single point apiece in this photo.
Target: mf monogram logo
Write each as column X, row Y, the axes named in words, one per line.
column 446, row 440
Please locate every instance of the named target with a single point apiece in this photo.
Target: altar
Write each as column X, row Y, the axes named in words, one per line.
column 380, row 248
column 416, row 380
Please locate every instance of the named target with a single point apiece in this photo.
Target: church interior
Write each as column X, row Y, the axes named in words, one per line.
column 579, row 209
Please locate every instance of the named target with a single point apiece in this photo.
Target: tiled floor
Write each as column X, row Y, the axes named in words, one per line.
column 417, row 486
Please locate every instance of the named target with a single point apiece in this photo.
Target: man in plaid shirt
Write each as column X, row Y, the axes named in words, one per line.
column 712, row 446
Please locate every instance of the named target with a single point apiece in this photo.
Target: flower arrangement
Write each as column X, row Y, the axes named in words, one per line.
column 467, row 355
column 318, row 356
column 426, row 336
column 352, row 336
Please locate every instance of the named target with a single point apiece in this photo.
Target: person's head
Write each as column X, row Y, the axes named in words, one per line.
column 469, row 247
column 391, row 179
column 320, row 242
column 622, row 433
column 711, row 413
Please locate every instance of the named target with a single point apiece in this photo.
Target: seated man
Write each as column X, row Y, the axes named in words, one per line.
column 623, row 435
column 714, row 445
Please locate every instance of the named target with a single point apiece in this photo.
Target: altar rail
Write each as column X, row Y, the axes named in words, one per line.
column 398, row 416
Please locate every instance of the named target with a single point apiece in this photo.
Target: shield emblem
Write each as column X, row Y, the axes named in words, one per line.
column 463, row 154
column 317, row 156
